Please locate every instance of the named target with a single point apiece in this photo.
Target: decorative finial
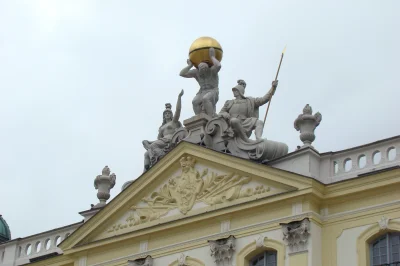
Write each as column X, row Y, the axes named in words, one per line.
column 306, row 124
column 307, row 110
column 104, row 183
column 105, row 171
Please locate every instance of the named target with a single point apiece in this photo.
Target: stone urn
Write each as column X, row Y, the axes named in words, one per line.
column 104, row 183
column 306, row 124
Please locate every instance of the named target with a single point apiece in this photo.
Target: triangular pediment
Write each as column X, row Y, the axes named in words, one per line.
column 187, row 182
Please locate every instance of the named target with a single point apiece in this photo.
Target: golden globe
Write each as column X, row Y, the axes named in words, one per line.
column 199, row 50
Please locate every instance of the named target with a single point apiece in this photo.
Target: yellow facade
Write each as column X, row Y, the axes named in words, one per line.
column 344, row 217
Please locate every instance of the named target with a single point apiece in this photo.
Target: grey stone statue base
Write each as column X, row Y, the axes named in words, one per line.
column 196, row 127
column 215, row 133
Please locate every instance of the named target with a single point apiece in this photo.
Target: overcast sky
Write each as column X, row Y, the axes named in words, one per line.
column 84, row 82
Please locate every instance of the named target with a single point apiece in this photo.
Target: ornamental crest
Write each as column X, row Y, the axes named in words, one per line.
column 185, row 188
column 184, row 191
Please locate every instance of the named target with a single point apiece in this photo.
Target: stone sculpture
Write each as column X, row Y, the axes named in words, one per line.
column 147, row 261
column 207, row 77
column 230, row 132
column 242, row 112
column 192, row 186
column 306, row 124
column 182, row 260
column 296, row 235
column 104, row 183
column 170, row 125
column 222, row 250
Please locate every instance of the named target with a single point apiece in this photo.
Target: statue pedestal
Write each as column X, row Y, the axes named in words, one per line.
column 195, row 125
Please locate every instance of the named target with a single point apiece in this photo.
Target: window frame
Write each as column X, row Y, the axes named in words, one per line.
column 389, row 251
column 264, row 255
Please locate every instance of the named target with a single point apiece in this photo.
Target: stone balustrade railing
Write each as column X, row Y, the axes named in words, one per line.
column 361, row 160
column 336, row 166
column 22, row 250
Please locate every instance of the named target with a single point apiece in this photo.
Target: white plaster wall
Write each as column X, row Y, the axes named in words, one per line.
column 299, row 163
column 9, row 255
column 347, row 246
column 202, row 254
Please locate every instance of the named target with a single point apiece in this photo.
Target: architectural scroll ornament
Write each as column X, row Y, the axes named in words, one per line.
column 260, row 241
column 222, row 250
column 147, row 261
column 182, row 260
column 183, row 191
column 296, row 235
column 383, row 223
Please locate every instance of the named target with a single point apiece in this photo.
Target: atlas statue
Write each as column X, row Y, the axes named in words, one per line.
column 207, row 77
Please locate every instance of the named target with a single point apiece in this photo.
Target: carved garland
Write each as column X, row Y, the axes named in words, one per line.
column 184, row 191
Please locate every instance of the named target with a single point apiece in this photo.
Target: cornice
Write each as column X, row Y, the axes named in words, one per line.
column 166, row 165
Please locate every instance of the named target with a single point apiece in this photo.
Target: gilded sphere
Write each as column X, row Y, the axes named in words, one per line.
column 199, row 50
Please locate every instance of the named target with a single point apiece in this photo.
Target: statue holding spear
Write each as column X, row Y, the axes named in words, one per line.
column 242, row 113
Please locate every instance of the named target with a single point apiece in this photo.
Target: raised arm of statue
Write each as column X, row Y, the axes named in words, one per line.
column 263, row 100
column 187, row 72
column 216, row 64
column 178, row 108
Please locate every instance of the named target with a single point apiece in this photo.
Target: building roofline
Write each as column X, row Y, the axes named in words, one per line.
column 361, row 146
column 41, row 233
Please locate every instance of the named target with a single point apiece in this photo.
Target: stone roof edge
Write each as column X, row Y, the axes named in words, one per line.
column 42, row 233
column 361, row 146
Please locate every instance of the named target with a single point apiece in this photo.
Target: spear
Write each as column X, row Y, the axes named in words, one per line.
column 276, row 78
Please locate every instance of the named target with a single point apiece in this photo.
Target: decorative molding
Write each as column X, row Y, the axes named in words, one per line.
column 82, row 261
column 297, row 208
column 183, row 191
column 296, row 235
column 324, row 211
column 147, row 261
column 248, row 252
column 205, row 238
column 383, row 223
column 222, row 250
column 363, row 241
column 144, row 245
column 260, row 241
column 225, row 226
column 360, row 210
column 182, row 260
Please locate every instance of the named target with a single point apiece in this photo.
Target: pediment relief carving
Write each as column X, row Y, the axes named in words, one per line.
column 193, row 187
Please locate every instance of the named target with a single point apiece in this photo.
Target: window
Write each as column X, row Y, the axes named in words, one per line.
column 267, row 258
column 386, row 250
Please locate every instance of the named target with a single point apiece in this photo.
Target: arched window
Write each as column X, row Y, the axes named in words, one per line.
column 267, row 258
column 385, row 250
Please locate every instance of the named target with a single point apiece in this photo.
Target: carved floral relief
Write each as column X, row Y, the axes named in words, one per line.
column 184, row 191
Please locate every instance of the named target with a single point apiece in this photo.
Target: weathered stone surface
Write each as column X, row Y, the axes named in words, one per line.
column 306, row 124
